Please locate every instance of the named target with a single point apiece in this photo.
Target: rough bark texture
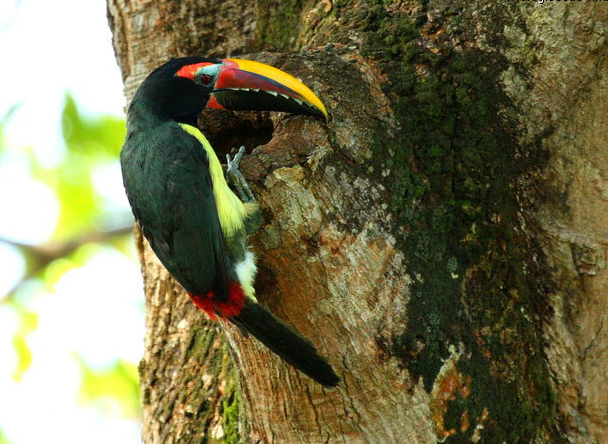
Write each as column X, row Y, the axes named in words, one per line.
column 442, row 239
column 564, row 103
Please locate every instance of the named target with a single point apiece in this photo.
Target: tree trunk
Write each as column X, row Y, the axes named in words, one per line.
column 442, row 239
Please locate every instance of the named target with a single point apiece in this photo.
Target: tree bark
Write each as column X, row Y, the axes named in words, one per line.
column 442, row 239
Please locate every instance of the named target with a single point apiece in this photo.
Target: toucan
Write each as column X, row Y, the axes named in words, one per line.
column 195, row 222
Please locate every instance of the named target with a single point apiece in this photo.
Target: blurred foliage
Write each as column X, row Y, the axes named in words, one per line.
column 90, row 142
column 3, row 121
column 97, row 136
column 3, row 438
column 119, row 383
column 28, row 322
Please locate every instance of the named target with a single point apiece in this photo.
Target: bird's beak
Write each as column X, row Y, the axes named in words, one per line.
column 245, row 85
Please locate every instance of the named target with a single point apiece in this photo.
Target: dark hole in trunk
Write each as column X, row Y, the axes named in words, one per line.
column 228, row 130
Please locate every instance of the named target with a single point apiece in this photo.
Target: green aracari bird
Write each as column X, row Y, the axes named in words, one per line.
column 181, row 199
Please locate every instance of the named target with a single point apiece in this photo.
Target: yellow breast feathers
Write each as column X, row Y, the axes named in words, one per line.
column 230, row 209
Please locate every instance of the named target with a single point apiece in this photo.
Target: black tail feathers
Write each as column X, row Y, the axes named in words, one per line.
column 290, row 346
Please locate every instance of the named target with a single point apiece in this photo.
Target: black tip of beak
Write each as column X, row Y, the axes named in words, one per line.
column 259, row 100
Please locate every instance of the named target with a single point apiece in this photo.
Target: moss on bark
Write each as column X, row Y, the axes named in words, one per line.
column 279, row 23
column 453, row 170
column 232, row 413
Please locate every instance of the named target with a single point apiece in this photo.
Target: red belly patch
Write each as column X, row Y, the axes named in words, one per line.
column 210, row 305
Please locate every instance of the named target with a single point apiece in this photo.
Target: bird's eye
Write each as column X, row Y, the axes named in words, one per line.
column 205, row 79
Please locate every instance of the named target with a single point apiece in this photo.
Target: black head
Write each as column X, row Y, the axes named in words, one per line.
column 168, row 96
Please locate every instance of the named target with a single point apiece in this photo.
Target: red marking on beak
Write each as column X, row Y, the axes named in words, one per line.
column 213, row 103
column 233, row 77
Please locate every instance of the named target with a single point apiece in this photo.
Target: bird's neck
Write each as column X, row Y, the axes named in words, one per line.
column 175, row 100
column 141, row 118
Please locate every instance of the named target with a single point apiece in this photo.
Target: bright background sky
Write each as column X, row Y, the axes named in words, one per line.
column 49, row 47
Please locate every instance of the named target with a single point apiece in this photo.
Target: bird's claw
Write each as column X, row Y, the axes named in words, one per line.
column 236, row 178
column 233, row 164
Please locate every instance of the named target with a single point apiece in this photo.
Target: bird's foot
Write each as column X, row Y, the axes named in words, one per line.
column 236, row 178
